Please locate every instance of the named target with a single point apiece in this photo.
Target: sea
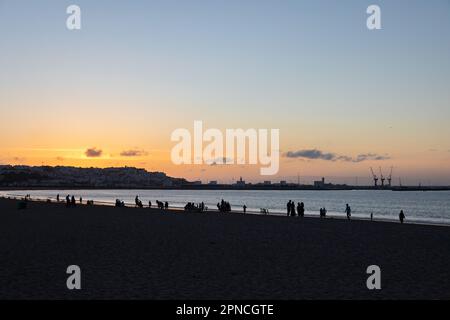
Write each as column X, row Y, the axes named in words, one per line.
column 425, row 207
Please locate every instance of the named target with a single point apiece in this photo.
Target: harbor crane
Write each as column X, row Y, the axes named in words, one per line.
column 382, row 178
column 375, row 178
column 389, row 179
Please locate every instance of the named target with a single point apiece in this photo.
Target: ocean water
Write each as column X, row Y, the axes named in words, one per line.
column 419, row 206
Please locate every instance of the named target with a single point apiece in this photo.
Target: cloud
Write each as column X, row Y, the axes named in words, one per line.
column 133, row 153
column 311, row 154
column 329, row 156
column 370, row 156
column 93, row 153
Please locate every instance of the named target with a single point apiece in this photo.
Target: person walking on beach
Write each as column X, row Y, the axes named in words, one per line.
column 371, row 216
column 245, row 208
column 149, row 204
column 288, row 207
column 81, row 200
column 348, row 211
column 73, row 201
column 57, row 197
column 401, row 216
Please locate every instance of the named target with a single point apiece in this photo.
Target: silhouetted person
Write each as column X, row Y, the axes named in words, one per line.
column 302, row 209
column 401, row 216
column 67, row 201
column 81, row 200
column 166, row 205
column 149, row 204
column 371, row 216
column 57, row 197
column 292, row 209
column 73, row 201
column 348, row 211
column 245, row 208
column 288, row 207
column 136, row 201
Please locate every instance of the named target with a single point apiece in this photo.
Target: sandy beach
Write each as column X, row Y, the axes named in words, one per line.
column 130, row 253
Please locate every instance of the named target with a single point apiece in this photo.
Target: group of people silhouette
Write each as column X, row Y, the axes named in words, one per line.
column 290, row 206
column 224, row 206
column 191, row 206
column 162, row 205
column 120, row 203
column 291, row 210
column 138, row 203
column 70, row 201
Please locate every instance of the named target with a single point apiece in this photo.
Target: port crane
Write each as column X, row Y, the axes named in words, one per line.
column 382, row 178
column 389, row 179
column 375, row 178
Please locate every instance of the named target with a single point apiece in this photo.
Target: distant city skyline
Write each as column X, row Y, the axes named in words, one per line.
column 345, row 98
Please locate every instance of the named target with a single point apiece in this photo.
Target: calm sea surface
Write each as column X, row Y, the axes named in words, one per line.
column 425, row 207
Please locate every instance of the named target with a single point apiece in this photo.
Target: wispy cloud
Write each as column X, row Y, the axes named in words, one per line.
column 329, row 156
column 93, row 153
column 370, row 156
column 219, row 161
column 311, row 154
column 133, row 153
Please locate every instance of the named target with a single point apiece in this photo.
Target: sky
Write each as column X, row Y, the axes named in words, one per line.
column 345, row 98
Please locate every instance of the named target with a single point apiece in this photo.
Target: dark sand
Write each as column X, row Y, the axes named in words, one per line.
column 149, row 254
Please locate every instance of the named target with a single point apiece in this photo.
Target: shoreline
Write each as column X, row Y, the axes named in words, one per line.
column 249, row 212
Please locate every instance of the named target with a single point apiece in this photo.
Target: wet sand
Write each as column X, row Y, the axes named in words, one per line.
column 129, row 253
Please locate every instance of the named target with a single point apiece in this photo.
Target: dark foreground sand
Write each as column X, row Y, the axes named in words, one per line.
column 148, row 254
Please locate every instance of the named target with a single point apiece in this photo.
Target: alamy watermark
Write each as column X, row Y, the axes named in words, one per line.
column 374, row 20
column 236, row 146
column 74, row 280
column 73, row 21
column 374, row 280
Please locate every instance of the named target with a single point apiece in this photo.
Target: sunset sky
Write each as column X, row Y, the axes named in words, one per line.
column 111, row 93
